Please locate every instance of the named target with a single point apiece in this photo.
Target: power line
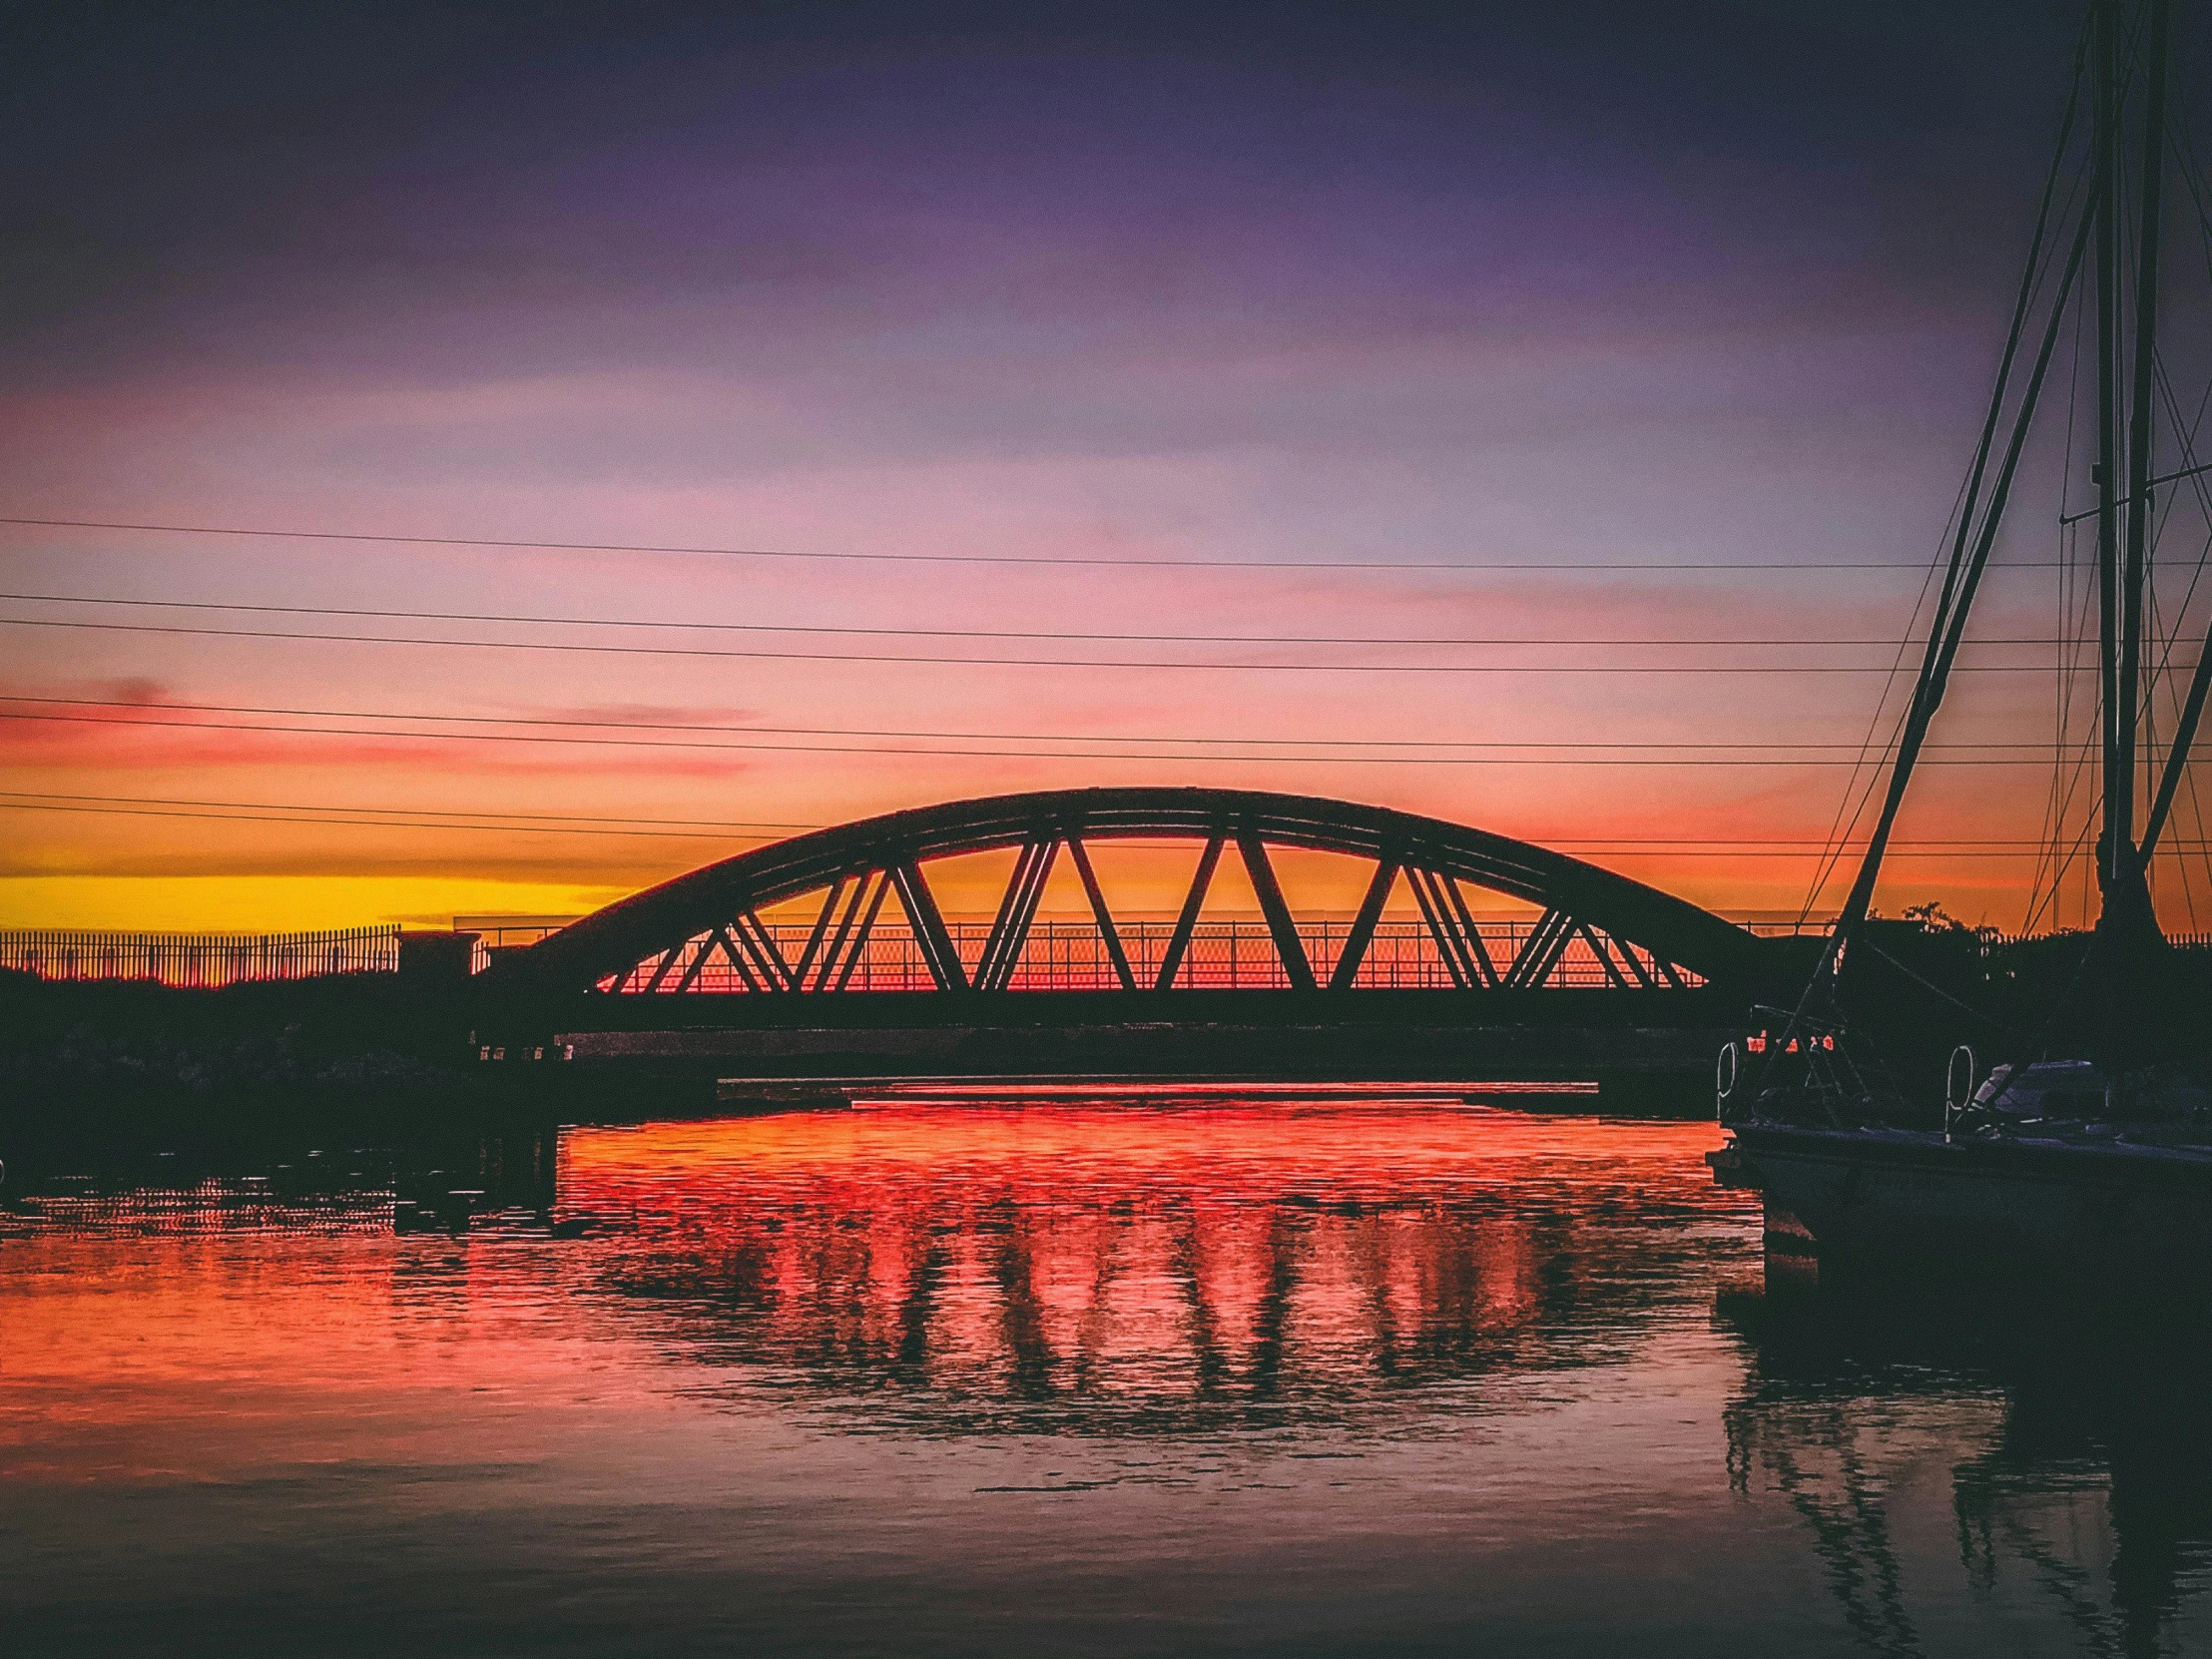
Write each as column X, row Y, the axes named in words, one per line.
column 968, row 754
column 1071, row 560
column 408, row 812
column 364, row 824
column 694, row 836
column 966, row 737
column 414, row 818
column 1003, row 662
column 938, row 633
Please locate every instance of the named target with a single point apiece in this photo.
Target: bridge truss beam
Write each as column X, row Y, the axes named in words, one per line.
column 1634, row 938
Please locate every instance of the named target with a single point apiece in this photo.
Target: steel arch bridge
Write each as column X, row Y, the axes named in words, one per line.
column 707, row 929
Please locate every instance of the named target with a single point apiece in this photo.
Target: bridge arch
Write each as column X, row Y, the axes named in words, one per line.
column 662, row 937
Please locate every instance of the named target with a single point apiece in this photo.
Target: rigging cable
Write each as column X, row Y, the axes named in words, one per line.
column 2033, row 273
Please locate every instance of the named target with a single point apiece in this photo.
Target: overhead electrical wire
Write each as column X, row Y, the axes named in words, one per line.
column 1040, row 559
column 754, row 823
column 491, row 822
column 139, row 722
column 1732, row 643
column 965, row 737
column 371, row 817
column 996, row 662
column 12, row 806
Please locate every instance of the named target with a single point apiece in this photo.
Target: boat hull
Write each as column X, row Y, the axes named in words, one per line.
column 1918, row 1201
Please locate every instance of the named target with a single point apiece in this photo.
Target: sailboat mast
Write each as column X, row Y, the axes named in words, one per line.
column 2104, row 158
column 2100, row 238
column 2139, row 433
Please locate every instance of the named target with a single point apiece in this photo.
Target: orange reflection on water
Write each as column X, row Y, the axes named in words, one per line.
column 1233, row 1252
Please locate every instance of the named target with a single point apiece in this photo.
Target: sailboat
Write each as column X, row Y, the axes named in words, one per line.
column 2081, row 1144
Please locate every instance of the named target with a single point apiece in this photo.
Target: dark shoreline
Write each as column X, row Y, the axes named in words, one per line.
column 374, row 1056
column 382, row 1054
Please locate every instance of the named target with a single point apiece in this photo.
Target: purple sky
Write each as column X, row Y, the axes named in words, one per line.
column 1511, row 285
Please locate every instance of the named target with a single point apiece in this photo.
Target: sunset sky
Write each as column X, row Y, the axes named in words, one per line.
column 1155, row 292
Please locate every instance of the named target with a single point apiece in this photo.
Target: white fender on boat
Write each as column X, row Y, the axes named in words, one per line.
column 1960, row 1075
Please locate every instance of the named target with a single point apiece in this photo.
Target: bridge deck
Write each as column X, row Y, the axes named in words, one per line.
column 1662, row 1040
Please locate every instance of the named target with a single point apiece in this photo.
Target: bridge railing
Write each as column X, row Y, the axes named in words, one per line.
column 1072, row 956
column 199, row 959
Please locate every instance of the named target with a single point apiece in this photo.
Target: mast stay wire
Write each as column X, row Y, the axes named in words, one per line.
column 2061, row 855
column 2184, row 428
column 1946, row 639
column 2071, row 621
column 2150, row 735
column 2083, row 749
column 2032, row 278
column 2201, row 679
column 2170, row 136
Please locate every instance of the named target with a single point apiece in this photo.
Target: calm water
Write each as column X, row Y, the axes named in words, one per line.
column 964, row 1380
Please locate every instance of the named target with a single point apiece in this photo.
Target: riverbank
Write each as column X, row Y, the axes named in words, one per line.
column 133, row 1059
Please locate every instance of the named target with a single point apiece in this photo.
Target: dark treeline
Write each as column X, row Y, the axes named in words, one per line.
column 85, row 1061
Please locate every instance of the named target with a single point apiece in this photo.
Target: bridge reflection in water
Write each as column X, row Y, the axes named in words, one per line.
column 1116, row 1271
column 1083, row 1267
column 956, row 1377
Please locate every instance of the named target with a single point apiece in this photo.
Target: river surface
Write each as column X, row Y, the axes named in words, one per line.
column 1374, row 1377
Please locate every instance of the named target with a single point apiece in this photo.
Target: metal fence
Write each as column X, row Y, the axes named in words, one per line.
column 1072, row 956
column 199, row 959
column 1059, row 955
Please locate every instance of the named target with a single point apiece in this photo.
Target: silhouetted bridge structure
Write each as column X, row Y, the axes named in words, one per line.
column 830, row 955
